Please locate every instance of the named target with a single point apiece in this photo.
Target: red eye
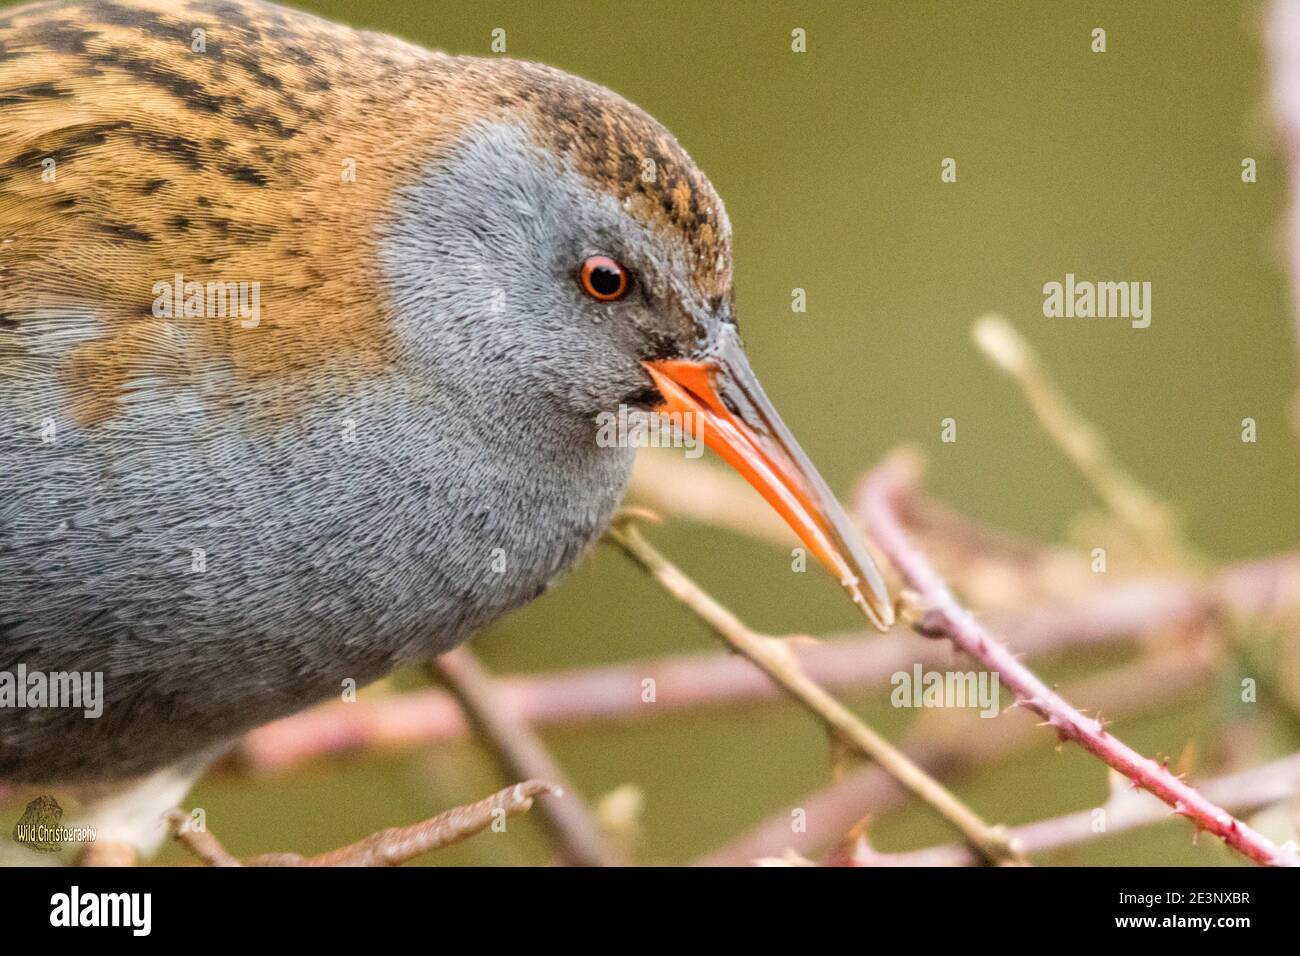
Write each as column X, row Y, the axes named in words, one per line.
column 603, row 279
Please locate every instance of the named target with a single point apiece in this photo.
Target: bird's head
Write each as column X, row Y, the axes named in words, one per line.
column 573, row 254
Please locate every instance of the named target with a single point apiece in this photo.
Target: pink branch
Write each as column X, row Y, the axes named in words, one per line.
column 878, row 500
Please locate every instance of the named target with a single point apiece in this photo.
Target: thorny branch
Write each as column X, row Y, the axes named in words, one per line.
column 938, row 613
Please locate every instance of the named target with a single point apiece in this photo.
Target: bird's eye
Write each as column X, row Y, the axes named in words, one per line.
column 603, row 279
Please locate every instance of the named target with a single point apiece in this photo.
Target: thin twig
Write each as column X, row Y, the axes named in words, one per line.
column 775, row 659
column 521, row 754
column 391, row 847
column 1144, row 514
column 939, row 614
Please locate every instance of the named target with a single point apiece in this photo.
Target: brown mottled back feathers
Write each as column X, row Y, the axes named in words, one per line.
column 229, row 164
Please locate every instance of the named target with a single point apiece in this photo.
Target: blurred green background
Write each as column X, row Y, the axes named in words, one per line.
column 1119, row 166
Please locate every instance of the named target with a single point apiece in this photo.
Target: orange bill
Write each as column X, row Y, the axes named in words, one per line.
column 738, row 422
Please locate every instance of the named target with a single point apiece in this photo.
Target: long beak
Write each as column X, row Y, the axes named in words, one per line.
column 737, row 421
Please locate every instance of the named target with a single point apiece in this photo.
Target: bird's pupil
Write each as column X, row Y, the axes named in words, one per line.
column 605, row 280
